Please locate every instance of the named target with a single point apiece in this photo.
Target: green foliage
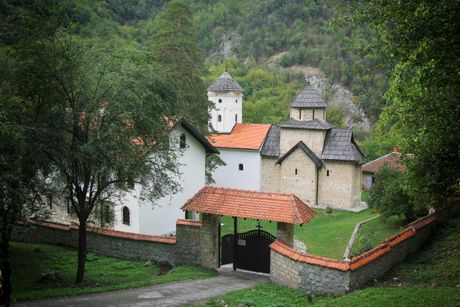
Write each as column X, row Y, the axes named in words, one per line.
column 389, row 194
column 103, row 273
column 423, row 93
column 335, row 116
column 213, row 161
column 364, row 244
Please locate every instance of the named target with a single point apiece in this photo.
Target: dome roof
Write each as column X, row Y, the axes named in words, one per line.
column 308, row 98
column 225, row 83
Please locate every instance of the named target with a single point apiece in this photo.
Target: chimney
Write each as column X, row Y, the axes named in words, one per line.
column 395, row 149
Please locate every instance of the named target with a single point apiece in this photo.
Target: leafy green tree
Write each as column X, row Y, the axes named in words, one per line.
column 175, row 44
column 420, row 40
column 389, row 194
column 335, row 116
column 102, row 115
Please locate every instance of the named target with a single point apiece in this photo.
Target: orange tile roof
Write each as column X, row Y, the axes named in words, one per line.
column 189, row 223
column 279, row 207
column 391, row 160
column 242, row 136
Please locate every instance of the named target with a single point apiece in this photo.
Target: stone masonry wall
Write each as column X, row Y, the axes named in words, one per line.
column 183, row 250
column 336, row 190
column 330, row 276
column 270, row 175
column 314, row 139
column 302, row 184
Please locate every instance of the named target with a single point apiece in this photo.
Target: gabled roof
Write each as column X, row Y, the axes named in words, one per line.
column 279, row 207
column 315, row 124
column 308, row 98
column 271, row 147
column 225, row 83
column 210, row 149
column 392, row 160
column 340, row 145
column 242, row 136
column 301, row 145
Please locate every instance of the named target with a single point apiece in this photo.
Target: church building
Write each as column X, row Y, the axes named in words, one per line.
column 304, row 155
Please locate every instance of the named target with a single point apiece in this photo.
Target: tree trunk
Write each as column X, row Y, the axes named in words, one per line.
column 82, row 249
column 6, row 271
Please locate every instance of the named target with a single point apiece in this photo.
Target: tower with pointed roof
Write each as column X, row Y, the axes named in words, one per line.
column 227, row 96
column 308, row 105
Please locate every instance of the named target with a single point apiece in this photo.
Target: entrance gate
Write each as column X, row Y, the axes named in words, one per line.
column 252, row 252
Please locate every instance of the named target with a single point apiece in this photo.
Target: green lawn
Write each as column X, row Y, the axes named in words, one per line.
column 325, row 235
column 102, row 273
column 377, row 231
column 429, row 277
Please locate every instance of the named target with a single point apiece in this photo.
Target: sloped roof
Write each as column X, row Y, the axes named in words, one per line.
column 271, row 147
column 309, row 97
column 279, row 207
column 392, row 160
column 301, row 145
column 210, row 149
column 242, row 136
column 315, row 124
column 225, row 83
column 340, row 145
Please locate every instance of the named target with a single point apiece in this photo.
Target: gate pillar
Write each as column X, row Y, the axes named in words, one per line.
column 209, row 241
column 285, row 233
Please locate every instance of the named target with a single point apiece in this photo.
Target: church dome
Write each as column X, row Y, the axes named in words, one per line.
column 225, row 83
column 308, row 98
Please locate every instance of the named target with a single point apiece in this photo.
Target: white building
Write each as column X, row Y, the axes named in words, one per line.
column 132, row 215
column 240, row 150
column 227, row 96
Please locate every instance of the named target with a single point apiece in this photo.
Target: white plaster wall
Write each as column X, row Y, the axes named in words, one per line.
column 160, row 217
column 231, row 105
column 230, row 176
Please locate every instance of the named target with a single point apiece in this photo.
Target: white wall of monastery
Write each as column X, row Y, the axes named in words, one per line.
column 230, row 109
column 314, row 139
column 230, row 176
column 340, row 188
column 302, row 184
column 160, row 217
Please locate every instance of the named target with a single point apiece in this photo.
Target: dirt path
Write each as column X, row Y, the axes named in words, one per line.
column 170, row 294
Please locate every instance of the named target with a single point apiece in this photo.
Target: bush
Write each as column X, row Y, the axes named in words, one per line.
column 364, row 245
column 328, row 210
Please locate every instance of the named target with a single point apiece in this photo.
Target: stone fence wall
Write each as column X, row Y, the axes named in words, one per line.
column 323, row 275
column 182, row 249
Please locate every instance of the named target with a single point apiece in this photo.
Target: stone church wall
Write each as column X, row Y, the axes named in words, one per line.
column 302, row 184
column 314, row 139
column 270, row 175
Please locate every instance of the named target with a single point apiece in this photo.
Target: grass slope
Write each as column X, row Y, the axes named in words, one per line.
column 102, row 273
column 429, row 277
column 325, row 235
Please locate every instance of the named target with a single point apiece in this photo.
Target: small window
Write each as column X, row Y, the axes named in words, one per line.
column 183, row 142
column 219, row 118
column 220, row 100
column 300, row 114
column 236, row 118
column 327, row 173
column 126, row 216
column 50, row 201
column 313, row 113
column 130, row 182
column 107, row 214
column 241, row 167
column 236, row 100
column 296, row 171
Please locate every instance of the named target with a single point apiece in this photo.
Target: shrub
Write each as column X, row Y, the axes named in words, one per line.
column 364, row 245
column 328, row 210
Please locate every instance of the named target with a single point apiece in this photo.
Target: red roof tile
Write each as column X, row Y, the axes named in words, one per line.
column 189, row 223
column 278, row 207
column 391, row 159
column 242, row 136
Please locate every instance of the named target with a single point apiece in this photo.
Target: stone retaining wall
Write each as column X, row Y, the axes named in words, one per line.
column 316, row 274
column 182, row 249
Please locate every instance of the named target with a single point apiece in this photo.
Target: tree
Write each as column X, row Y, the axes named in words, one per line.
column 420, row 40
column 389, row 194
column 175, row 44
column 102, row 115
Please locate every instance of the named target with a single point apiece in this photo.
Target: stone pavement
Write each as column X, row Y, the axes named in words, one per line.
column 170, row 294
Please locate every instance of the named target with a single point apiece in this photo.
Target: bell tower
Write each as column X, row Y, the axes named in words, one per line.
column 227, row 96
column 308, row 105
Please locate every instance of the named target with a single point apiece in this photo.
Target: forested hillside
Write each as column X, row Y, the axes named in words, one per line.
column 299, row 32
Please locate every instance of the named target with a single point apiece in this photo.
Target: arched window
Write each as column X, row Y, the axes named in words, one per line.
column 126, row 219
column 219, row 118
column 220, row 100
column 240, row 167
column 236, row 118
column 183, row 142
column 236, row 100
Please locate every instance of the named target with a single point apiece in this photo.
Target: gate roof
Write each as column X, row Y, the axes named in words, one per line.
column 279, row 207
